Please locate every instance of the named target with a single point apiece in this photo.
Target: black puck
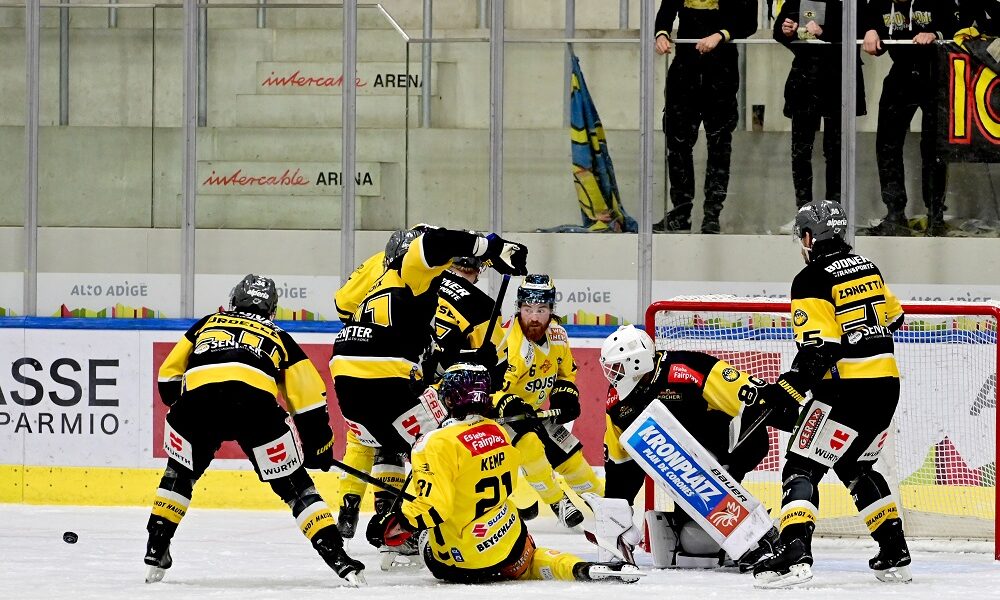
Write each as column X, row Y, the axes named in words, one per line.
column 70, row 538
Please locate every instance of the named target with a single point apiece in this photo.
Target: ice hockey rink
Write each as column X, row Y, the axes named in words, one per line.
column 221, row 554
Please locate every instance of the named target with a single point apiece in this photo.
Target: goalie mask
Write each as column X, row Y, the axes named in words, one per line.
column 255, row 294
column 626, row 356
column 465, row 390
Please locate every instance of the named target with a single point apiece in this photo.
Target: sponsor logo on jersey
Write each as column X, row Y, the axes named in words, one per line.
column 497, row 535
column 799, row 317
column 277, row 458
column 684, row 374
column 177, row 447
column 545, row 366
column 844, row 263
column 455, row 554
column 612, row 398
column 176, row 442
column 482, row 439
column 479, row 530
column 681, row 472
column 730, row 374
column 557, row 334
column 810, row 426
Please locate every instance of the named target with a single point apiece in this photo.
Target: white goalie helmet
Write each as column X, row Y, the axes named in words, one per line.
column 626, row 356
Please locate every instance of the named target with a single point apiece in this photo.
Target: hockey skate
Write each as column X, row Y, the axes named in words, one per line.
column 529, row 512
column 347, row 516
column 617, row 571
column 332, row 552
column 791, row 566
column 157, row 558
column 766, row 548
column 891, row 564
column 404, row 556
column 568, row 514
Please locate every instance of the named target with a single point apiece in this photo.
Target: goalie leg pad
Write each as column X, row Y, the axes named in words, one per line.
column 677, row 541
column 615, row 533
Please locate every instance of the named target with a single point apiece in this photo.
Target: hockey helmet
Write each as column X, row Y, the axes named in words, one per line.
column 255, row 294
column 824, row 219
column 465, row 389
column 626, row 356
column 399, row 242
column 536, row 289
column 470, row 263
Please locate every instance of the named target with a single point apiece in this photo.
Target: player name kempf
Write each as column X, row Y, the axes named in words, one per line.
column 675, row 466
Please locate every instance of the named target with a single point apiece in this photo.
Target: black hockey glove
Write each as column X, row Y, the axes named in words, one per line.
column 565, row 397
column 506, row 258
column 485, row 355
column 510, row 406
column 786, row 394
column 317, row 439
column 170, row 392
column 390, row 529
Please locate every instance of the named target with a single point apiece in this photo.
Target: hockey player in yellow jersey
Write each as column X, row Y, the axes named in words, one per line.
column 221, row 382
column 463, row 474
column 843, row 317
column 540, row 367
column 388, row 307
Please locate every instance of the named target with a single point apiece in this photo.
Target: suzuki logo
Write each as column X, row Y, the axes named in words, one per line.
column 479, row 530
column 176, row 442
column 277, row 453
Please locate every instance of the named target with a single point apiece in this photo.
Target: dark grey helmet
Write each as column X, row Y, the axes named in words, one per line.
column 472, row 263
column 255, row 294
column 824, row 219
column 537, row 288
column 399, row 242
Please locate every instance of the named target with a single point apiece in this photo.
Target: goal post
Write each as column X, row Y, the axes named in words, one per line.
column 940, row 457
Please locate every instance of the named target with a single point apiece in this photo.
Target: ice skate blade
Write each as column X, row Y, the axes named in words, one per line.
column 895, row 575
column 394, row 561
column 154, row 574
column 627, row 574
column 356, row 579
column 796, row 575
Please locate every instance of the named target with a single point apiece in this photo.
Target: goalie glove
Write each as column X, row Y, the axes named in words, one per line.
column 506, row 258
column 390, row 529
column 566, row 397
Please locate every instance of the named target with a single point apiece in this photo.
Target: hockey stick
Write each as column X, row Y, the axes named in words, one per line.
column 540, row 415
column 749, row 429
column 369, row 479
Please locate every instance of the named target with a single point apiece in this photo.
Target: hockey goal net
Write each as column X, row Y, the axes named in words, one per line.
column 941, row 456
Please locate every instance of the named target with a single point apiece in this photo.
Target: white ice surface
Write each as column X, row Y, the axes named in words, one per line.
column 247, row 555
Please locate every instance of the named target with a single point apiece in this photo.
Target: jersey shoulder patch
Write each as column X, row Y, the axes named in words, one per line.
column 557, row 334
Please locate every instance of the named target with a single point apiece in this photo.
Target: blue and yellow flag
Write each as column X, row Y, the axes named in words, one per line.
column 593, row 173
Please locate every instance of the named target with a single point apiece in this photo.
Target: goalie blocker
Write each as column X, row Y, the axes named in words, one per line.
column 696, row 482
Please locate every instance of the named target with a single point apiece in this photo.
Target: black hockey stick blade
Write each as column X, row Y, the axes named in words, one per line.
column 736, row 425
column 367, row 478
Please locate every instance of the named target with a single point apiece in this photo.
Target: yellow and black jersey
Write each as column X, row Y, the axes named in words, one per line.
column 531, row 369
column 703, row 392
column 463, row 316
column 237, row 346
column 392, row 325
column 350, row 295
column 843, row 308
column 463, row 475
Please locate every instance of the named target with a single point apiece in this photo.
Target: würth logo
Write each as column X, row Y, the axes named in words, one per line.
column 277, row 453
column 176, row 442
column 479, row 530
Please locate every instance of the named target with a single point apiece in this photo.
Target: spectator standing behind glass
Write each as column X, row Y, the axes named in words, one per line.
column 911, row 84
column 813, row 90
column 701, row 88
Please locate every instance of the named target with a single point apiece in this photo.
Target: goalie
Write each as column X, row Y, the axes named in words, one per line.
column 705, row 394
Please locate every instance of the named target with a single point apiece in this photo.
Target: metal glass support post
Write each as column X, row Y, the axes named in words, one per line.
column 848, row 115
column 622, row 14
column 482, row 14
column 568, row 66
column 261, row 14
column 189, row 153
column 32, row 18
column 741, row 91
column 203, row 67
column 348, row 143
column 64, row 62
column 113, row 15
column 647, row 129
column 425, row 65
column 496, row 126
